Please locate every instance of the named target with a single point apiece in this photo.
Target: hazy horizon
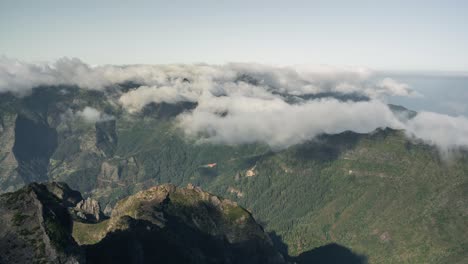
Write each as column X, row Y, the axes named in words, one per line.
column 397, row 36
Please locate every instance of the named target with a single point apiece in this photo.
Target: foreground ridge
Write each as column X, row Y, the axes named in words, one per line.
column 163, row 224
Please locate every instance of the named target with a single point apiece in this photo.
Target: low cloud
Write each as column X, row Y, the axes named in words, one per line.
column 88, row 115
column 279, row 124
column 135, row 100
column 395, row 88
column 20, row 77
column 246, row 103
column 446, row 132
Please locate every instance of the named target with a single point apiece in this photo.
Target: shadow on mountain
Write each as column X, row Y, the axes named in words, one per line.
column 178, row 240
column 328, row 147
column 165, row 110
column 330, row 254
column 278, row 243
column 35, row 142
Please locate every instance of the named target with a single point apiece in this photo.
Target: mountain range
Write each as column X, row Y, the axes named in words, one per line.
column 378, row 197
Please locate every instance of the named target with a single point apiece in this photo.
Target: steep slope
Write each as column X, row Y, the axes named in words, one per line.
column 35, row 226
column 163, row 224
column 177, row 225
column 381, row 194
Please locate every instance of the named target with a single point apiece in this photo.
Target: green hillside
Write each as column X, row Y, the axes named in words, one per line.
column 381, row 195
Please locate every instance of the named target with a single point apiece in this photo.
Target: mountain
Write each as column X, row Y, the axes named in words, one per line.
column 163, row 224
column 382, row 195
column 36, row 225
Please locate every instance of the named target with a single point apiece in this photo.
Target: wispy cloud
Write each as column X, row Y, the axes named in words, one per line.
column 88, row 114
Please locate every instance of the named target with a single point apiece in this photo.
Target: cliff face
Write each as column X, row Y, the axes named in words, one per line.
column 165, row 224
column 35, row 226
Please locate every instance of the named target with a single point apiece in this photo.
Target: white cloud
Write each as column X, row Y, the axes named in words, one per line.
column 91, row 115
column 244, row 103
column 20, row 77
column 135, row 100
column 392, row 87
column 279, row 124
column 444, row 131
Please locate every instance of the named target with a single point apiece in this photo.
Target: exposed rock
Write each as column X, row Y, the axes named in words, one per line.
column 9, row 178
column 106, row 137
column 235, row 191
column 162, row 224
column 177, row 225
column 251, row 172
column 109, row 171
column 108, row 210
column 90, row 208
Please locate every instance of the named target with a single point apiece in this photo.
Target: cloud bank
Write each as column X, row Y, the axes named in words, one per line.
column 246, row 103
column 444, row 131
column 279, row 124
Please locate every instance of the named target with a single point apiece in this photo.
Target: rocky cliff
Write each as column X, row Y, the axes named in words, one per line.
column 41, row 223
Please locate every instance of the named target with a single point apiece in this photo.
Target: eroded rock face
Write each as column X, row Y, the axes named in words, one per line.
column 106, row 137
column 89, row 209
column 9, row 177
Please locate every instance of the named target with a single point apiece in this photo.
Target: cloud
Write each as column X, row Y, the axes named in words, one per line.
column 20, row 77
column 246, row 103
column 446, row 132
column 392, row 87
column 190, row 82
column 137, row 99
column 88, row 115
column 279, row 124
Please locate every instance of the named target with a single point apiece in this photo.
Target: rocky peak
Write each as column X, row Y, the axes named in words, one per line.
column 162, row 224
column 88, row 209
column 192, row 225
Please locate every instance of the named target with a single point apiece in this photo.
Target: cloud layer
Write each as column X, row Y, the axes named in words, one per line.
column 246, row 103
column 279, row 124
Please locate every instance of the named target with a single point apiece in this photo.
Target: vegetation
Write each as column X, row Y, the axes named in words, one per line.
column 86, row 233
column 381, row 195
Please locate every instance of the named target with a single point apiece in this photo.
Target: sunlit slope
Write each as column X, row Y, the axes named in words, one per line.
column 380, row 194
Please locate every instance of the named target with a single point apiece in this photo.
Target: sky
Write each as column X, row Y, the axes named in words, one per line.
column 383, row 35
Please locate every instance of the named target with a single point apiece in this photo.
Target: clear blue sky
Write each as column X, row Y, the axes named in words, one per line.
column 387, row 35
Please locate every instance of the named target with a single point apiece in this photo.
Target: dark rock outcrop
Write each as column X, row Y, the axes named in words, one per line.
column 35, row 227
column 163, row 224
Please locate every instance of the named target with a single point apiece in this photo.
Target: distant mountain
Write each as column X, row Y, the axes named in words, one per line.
column 382, row 195
column 164, row 224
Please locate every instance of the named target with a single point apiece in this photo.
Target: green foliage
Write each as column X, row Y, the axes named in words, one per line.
column 89, row 233
column 376, row 194
column 379, row 194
